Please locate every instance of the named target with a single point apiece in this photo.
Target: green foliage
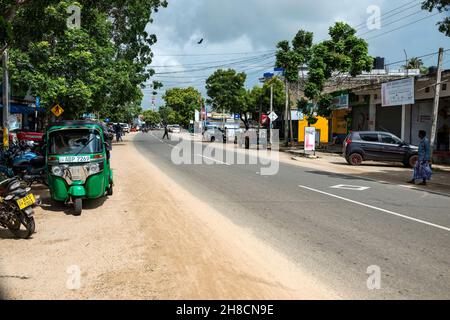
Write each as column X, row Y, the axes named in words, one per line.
column 151, row 117
column 226, row 91
column 169, row 116
column 343, row 53
column 99, row 67
column 416, row 63
column 184, row 101
column 441, row 6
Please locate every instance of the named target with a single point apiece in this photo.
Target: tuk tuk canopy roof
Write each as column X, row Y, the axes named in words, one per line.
column 73, row 124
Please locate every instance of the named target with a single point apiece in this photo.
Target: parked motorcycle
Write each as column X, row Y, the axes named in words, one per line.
column 17, row 208
column 23, row 161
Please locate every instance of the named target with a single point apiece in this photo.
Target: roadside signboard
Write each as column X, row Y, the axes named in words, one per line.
column 278, row 72
column 38, row 102
column 397, row 93
column 57, row 110
column 273, row 116
column 310, row 139
column 340, row 102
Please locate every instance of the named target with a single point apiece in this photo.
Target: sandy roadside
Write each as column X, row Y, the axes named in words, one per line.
column 151, row 240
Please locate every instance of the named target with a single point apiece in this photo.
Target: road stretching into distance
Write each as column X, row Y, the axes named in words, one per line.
column 335, row 234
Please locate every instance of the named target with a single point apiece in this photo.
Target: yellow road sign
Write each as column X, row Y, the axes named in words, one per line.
column 57, row 110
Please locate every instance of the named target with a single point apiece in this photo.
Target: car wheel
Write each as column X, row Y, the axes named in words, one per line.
column 412, row 161
column 355, row 159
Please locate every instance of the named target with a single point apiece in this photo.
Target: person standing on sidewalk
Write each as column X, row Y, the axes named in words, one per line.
column 422, row 169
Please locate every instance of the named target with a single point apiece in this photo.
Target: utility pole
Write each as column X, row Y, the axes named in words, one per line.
column 271, row 110
column 5, row 100
column 436, row 102
column 286, row 116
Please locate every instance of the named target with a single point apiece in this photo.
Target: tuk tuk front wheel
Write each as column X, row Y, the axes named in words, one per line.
column 78, row 206
column 110, row 190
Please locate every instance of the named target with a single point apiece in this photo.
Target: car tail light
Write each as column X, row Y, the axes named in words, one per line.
column 348, row 141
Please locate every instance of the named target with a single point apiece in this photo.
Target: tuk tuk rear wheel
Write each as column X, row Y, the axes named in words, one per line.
column 110, row 190
column 78, row 206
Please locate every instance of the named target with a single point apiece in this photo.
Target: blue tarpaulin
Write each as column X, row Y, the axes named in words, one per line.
column 21, row 108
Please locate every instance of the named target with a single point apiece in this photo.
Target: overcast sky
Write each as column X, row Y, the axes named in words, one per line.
column 243, row 33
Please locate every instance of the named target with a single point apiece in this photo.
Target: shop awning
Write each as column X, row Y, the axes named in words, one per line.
column 21, row 108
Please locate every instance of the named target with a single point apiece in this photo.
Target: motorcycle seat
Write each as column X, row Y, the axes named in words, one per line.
column 38, row 162
column 5, row 186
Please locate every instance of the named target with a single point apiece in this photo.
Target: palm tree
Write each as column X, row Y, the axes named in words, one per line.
column 416, row 63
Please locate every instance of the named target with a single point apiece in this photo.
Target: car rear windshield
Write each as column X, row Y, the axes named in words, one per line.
column 75, row 141
column 371, row 137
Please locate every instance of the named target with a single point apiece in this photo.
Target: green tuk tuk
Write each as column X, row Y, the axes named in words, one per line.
column 78, row 162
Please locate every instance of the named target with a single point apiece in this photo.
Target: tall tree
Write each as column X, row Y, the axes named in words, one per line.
column 291, row 58
column 151, row 117
column 441, row 6
column 226, row 91
column 184, row 101
column 343, row 53
column 99, row 66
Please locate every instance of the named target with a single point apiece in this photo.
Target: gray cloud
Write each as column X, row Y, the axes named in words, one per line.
column 255, row 25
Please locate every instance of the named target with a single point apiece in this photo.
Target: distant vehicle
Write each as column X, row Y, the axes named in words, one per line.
column 378, row 146
column 125, row 127
column 252, row 136
column 213, row 134
column 174, row 128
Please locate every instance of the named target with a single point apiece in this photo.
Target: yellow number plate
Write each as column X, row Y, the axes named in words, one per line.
column 29, row 200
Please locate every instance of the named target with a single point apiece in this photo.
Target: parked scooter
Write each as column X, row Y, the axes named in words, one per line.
column 23, row 161
column 17, row 208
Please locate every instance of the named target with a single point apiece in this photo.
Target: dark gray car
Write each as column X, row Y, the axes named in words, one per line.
column 360, row 146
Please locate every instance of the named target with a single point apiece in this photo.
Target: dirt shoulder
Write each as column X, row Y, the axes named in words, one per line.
column 151, row 240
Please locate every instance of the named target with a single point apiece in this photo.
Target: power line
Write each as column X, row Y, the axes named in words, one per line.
column 393, row 22
column 362, row 24
column 215, row 54
column 256, row 60
column 401, row 27
column 208, row 62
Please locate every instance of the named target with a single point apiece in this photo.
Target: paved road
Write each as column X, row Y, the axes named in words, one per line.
column 335, row 234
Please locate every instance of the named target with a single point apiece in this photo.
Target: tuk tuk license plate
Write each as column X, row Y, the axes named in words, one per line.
column 29, row 200
column 74, row 159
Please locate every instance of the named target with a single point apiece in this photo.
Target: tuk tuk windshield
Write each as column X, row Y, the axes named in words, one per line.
column 75, row 141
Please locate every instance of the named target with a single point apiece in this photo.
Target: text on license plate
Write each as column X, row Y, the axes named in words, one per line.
column 29, row 200
column 74, row 159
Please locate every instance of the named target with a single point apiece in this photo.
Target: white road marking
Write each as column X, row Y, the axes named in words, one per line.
column 215, row 160
column 349, row 187
column 378, row 209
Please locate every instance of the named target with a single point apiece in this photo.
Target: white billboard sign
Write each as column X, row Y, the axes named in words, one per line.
column 397, row 93
column 310, row 139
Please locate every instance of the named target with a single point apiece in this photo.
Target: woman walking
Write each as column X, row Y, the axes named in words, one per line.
column 422, row 169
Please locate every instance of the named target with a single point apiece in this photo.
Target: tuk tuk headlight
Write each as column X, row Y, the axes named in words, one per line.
column 57, row 171
column 95, row 168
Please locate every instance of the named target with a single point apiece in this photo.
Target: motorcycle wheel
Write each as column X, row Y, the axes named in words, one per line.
column 78, row 206
column 15, row 225
column 28, row 223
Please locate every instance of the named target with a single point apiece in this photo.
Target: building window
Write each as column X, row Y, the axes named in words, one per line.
column 444, row 86
column 427, row 89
